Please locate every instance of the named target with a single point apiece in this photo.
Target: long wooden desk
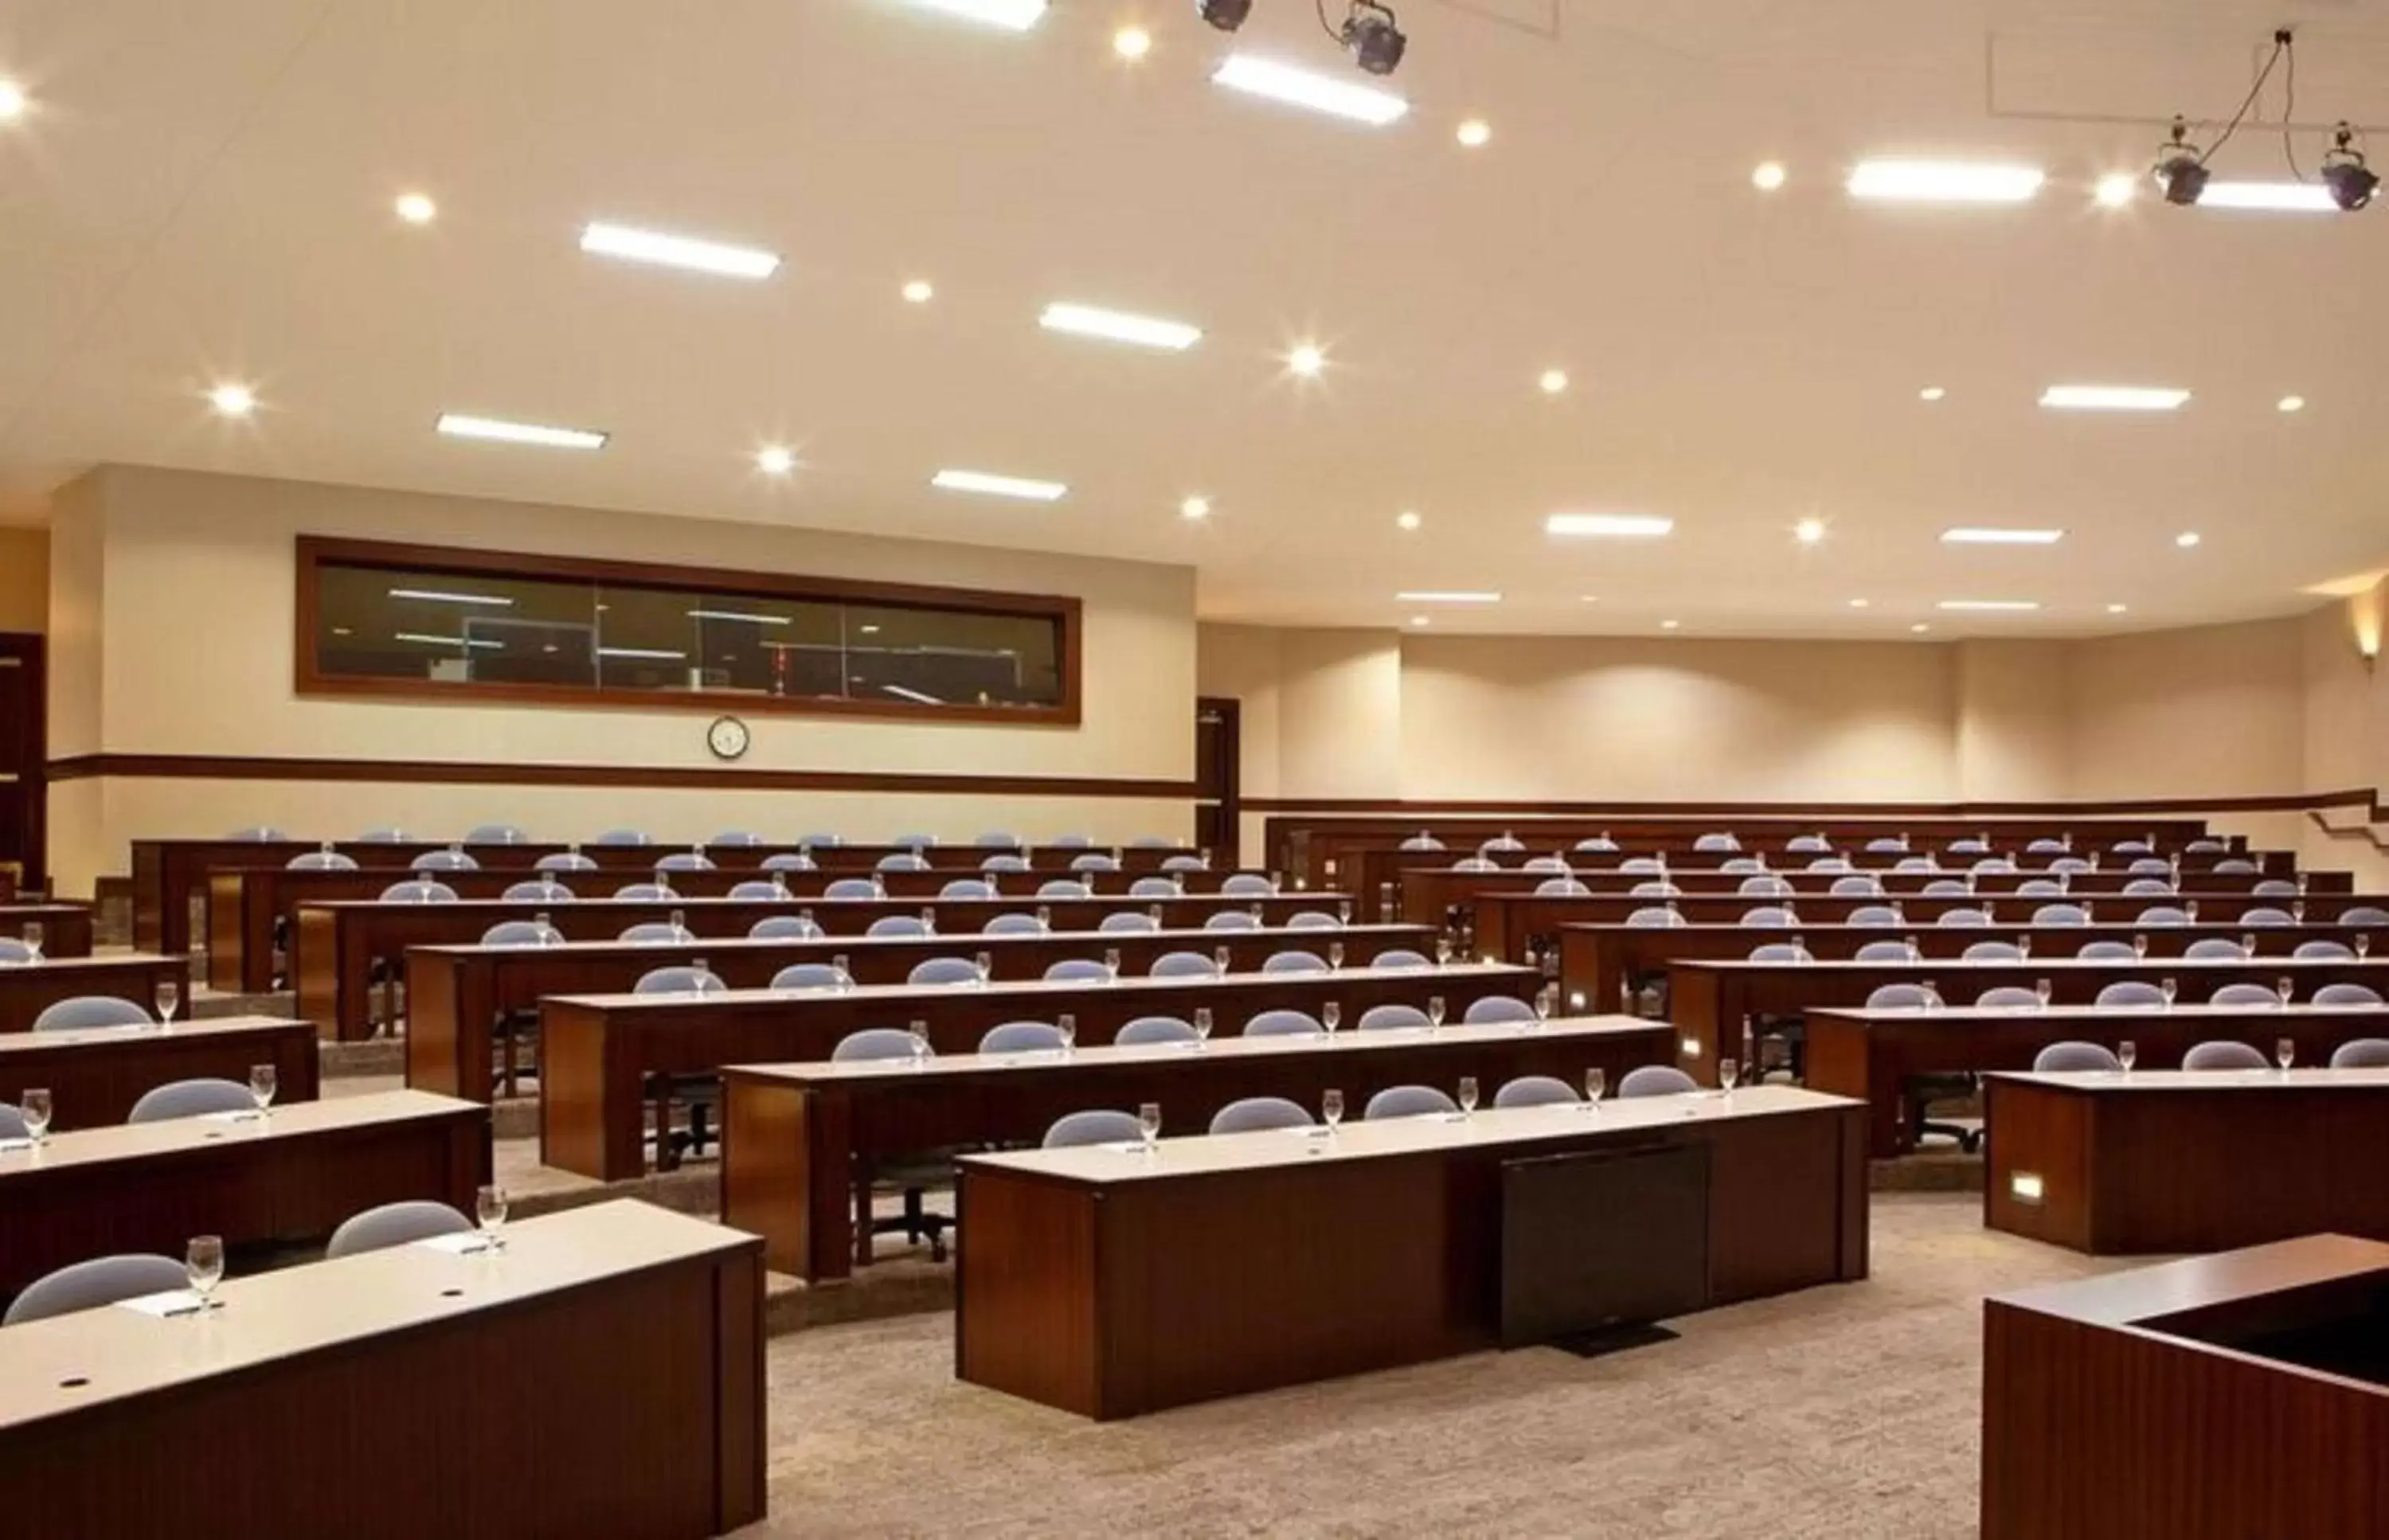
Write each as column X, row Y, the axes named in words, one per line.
column 1110, row 1282
column 2220, row 1398
column 247, row 905
column 602, row 1376
column 66, row 928
column 796, row 1135
column 93, row 1076
column 455, row 995
column 2189, row 1160
column 1600, row 962
column 291, row 1176
column 27, row 989
column 1710, row 1001
column 1867, row 1054
column 335, row 946
column 597, row 1051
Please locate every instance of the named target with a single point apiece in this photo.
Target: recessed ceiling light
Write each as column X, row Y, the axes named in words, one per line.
column 1943, row 182
column 2117, row 188
column 998, row 486
column 1419, row 620
column 1768, row 176
column 2117, row 609
column 1131, row 43
column 1990, row 606
column 233, row 401
column 1553, row 381
column 13, row 101
column 1920, row 627
column 2112, row 397
column 2278, row 197
column 1670, row 625
column 1306, row 361
column 1860, row 603
column 2291, row 403
column 1449, row 596
column 682, row 252
column 1589, row 598
column 1407, row 521
column 1017, row 16
column 2186, row 539
column 1930, row 393
column 1475, row 133
column 1808, row 531
column 919, row 292
column 1283, row 82
column 775, row 460
column 1619, row 525
column 416, row 208
column 457, row 424
column 1966, row 534
column 1144, row 331
column 1196, row 507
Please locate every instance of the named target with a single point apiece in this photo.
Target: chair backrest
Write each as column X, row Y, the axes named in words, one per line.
column 1394, row 1015
column 2206, row 846
column 1883, row 951
column 1763, row 887
column 1013, row 924
column 565, row 860
column 621, row 836
column 1831, row 864
column 12, row 1122
column 1534, row 1090
column 1096, row 1125
column 2106, row 952
column 1401, row 957
column 1768, row 917
column 902, row 860
column 544, row 891
column 1502, row 844
column 1284, row 1023
column 1154, row 1029
column 1874, row 915
column 1077, row 969
column 1993, row 864
column 1738, row 865
column 385, row 834
column 2131, row 991
column 193, row 1097
column 2162, row 914
column 2039, row 887
column 1153, row 887
column 259, row 833
column 898, row 925
column 1778, row 952
column 1545, row 863
column 2361, row 1052
column 968, row 887
column 1656, row 1080
column 2265, row 914
column 1295, row 962
column 1886, row 845
column 1232, row 920
column 2150, row 866
column 519, row 933
column 1004, row 863
column 1021, row 1037
column 420, row 890
column 915, row 842
column 79, row 1012
column 679, row 979
column 997, row 841
column 1902, row 996
column 444, row 860
column 758, row 891
column 1994, row 951
column 652, row 933
column 1184, row 863
column 2236, row 866
column 1857, row 887
column 1655, row 888
column 1128, row 921
column 784, row 927
column 1963, row 916
column 2046, row 845
column 942, row 970
column 1707, row 843
column 2348, row 994
column 643, row 893
column 2063, row 1058
column 1064, row 888
column 2363, row 914
column 1808, row 845
column 1496, row 1009
column 321, row 861
column 1256, row 1113
column 820, row 842
column 1561, row 888
column 1655, row 916
column 684, row 860
column 396, row 1224
column 2147, row 888
column 1916, row 863
column 737, row 838
column 789, row 860
column 873, row 1042
column 850, row 887
column 1093, row 861
column 2131, row 847
column 2274, row 887
column 1947, row 887
column 1970, row 846
column 2006, row 997
column 1598, row 844
column 2071, row 865
column 1247, row 885
column 1477, row 863
column 1642, row 864
column 1407, row 1101
column 14, row 951
column 89, row 1285
column 2244, row 993
column 1312, row 920
column 1183, row 965
column 810, row 975
column 2223, row 1053
column 2214, row 949
column 1421, row 842
column 1071, row 842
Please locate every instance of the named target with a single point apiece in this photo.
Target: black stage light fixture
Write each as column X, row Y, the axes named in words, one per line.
column 1373, row 38
column 1226, row 15
column 2181, row 171
column 2344, row 171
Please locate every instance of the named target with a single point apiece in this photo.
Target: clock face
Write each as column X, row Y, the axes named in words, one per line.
column 726, row 737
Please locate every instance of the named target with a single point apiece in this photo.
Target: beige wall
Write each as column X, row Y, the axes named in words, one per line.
column 24, row 579
column 191, row 580
column 2215, row 711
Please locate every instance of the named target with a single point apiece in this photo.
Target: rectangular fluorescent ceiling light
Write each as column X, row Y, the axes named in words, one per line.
column 998, row 486
column 1283, row 83
column 651, row 246
column 2280, row 197
column 661, row 654
column 458, row 426
column 1991, row 605
column 738, row 614
column 1449, row 596
column 1943, row 182
column 1119, row 327
column 1015, row 15
column 1629, row 526
column 2112, row 397
column 443, row 641
column 439, row 597
column 1968, row 534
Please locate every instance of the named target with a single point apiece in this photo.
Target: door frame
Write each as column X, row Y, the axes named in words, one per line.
column 33, row 775
column 1231, row 801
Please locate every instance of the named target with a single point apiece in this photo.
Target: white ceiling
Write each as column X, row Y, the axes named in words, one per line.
column 203, row 193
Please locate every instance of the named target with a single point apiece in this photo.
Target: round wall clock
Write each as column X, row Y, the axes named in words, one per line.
column 727, row 737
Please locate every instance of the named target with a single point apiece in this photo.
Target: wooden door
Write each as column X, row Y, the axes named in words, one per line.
column 1218, row 812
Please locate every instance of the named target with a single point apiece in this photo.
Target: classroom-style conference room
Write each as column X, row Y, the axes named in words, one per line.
column 1054, row 768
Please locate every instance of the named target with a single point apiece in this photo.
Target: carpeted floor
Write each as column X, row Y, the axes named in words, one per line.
column 1841, row 1412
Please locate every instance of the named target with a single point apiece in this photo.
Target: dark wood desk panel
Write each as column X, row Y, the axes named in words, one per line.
column 603, row 1378
column 1710, row 1001
column 26, row 990
column 1111, row 1283
column 597, row 1051
column 795, row 1135
column 2109, row 1413
column 1867, row 1054
column 66, row 928
column 456, row 994
column 290, row 1176
column 335, row 946
column 2179, row 1161
column 94, row 1076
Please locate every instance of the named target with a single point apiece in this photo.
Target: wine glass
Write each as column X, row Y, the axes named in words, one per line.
column 490, row 1208
column 1331, row 1108
column 2041, row 989
column 2285, row 987
column 2286, row 1053
column 1344, row 912
column 1435, row 1011
column 1443, row 951
column 2024, row 947
column 1915, row 952
column 1335, row 954
column 680, row 924
column 1111, row 964
column 262, row 1087
column 1153, row 912
column 1067, row 1024
column 1044, row 917
column 984, row 965
column 1545, row 998
column 1219, row 960
column 1331, row 1016
column 919, row 1033
column 1729, row 1072
column 2140, row 947
column 2363, row 944
column 2247, row 943
column 1596, row 1081
column 845, row 975
column 2125, row 1051
column 32, row 934
column 2190, row 910
column 203, row 1265
column 928, row 920
column 1202, row 1025
column 35, row 1106
column 1148, row 1123
column 169, row 998
column 2169, row 989
column 1467, row 1095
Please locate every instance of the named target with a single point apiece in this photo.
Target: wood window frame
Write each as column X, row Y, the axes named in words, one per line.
column 316, row 551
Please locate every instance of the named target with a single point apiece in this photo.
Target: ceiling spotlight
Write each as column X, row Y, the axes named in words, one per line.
column 1670, row 625
column 1196, row 507
column 1131, row 43
column 776, row 460
column 233, row 401
column 2344, row 171
column 2117, row 609
column 1407, row 521
column 2291, row 403
column 1808, row 531
column 1768, row 176
column 2181, row 171
column 13, row 101
column 1930, row 393
column 919, row 292
column 1226, row 15
column 1475, row 133
column 2187, row 540
column 1860, row 603
column 1920, row 627
column 1370, row 34
column 1306, row 361
column 1553, row 381
column 416, row 209
column 2116, row 189
column 1418, row 621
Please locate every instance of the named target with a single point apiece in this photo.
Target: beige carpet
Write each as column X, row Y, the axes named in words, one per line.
column 1839, row 1412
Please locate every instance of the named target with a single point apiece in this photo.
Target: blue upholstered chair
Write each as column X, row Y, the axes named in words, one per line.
column 811, row 975
column 2137, row 993
column 784, row 927
column 943, row 972
column 89, row 1285
column 1534, row 1090
column 1295, row 962
column 2242, row 994
column 1655, row 1080
column 2076, row 1058
column 1183, row 965
column 2362, row 1053
column 84, row 1013
column 1022, row 1037
column 1284, row 1024
column 398, row 1223
column 1232, row 920
column 1077, row 969
column 1407, row 1101
column 1401, row 957
column 1097, row 1125
column 912, row 1175
column 565, row 860
column 1154, row 1031
column 1014, row 923
column 2347, row 994
column 1392, row 1016
column 193, row 1097
column 1252, row 1115
column 1495, row 1008
column 1128, row 922
column 2222, row 1053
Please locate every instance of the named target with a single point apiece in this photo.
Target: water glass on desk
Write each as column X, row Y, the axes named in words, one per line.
column 1202, row 1025
column 2127, row 1051
column 1148, row 1124
column 2139, row 947
column 203, row 1264
column 35, row 1108
column 1435, row 1011
column 1220, row 960
column 2169, row 989
column 1596, row 1081
column 1068, row 1025
column 1467, row 1095
column 2285, row 1053
column 261, row 1086
column 1331, row 1108
column 1729, row 1072
column 1331, row 1016
column 170, row 996
column 2285, row 987
column 1335, row 954
column 31, row 935
column 919, row 1034
column 490, row 1208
